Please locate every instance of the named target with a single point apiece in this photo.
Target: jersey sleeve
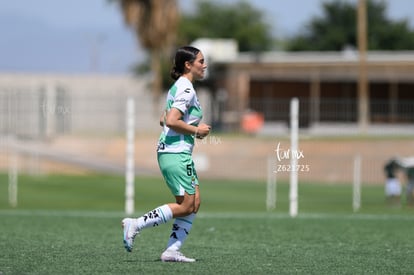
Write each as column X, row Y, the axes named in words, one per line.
column 183, row 100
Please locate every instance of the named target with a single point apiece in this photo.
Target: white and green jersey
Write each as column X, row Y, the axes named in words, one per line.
column 183, row 97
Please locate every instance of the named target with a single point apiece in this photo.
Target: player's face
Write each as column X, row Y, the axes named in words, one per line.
column 198, row 67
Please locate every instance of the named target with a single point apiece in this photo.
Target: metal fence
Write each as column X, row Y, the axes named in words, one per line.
column 51, row 106
column 81, row 123
column 337, row 110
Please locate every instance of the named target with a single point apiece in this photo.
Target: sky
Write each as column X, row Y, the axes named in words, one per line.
column 89, row 36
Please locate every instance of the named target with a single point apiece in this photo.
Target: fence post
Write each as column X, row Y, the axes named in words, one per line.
column 294, row 128
column 356, row 197
column 130, row 160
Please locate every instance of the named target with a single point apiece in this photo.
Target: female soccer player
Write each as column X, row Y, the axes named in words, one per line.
column 181, row 125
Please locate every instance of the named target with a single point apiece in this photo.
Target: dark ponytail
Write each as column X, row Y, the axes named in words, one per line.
column 183, row 54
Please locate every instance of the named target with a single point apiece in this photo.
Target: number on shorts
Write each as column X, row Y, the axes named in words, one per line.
column 189, row 170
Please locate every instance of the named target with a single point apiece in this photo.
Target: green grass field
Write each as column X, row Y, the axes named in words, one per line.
column 71, row 225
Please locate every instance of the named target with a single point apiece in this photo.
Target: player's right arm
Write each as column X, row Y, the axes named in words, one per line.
column 174, row 121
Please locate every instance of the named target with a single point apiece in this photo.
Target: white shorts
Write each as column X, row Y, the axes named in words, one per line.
column 392, row 187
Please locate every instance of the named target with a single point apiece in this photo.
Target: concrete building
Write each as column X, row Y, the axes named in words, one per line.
column 326, row 84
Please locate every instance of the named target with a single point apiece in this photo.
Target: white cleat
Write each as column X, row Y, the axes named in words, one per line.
column 175, row 256
column 130, row 232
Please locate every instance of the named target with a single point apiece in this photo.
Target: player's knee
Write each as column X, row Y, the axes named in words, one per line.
column 196, row 207
column 197, row 204
column 188, row 204
column 189, row 209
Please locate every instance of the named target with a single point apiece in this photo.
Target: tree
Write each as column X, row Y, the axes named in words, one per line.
column 155, row 24
column 336, row 28
column 239, row 21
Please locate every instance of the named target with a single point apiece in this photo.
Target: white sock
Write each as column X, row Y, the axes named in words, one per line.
column 180, row 230
column 155, row 217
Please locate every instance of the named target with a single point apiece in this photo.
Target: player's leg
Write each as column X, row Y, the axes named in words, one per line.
column 177, row 170
column 181, row 227
column 179, row 233
column 183, row 223
column 160, row 215
column 132, row 227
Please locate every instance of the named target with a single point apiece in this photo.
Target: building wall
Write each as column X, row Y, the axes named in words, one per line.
column 327, row 84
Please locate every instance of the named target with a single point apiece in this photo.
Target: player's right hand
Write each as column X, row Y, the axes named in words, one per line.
column 203, row 130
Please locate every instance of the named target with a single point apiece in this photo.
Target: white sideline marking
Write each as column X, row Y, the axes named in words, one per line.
column 208, row 215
